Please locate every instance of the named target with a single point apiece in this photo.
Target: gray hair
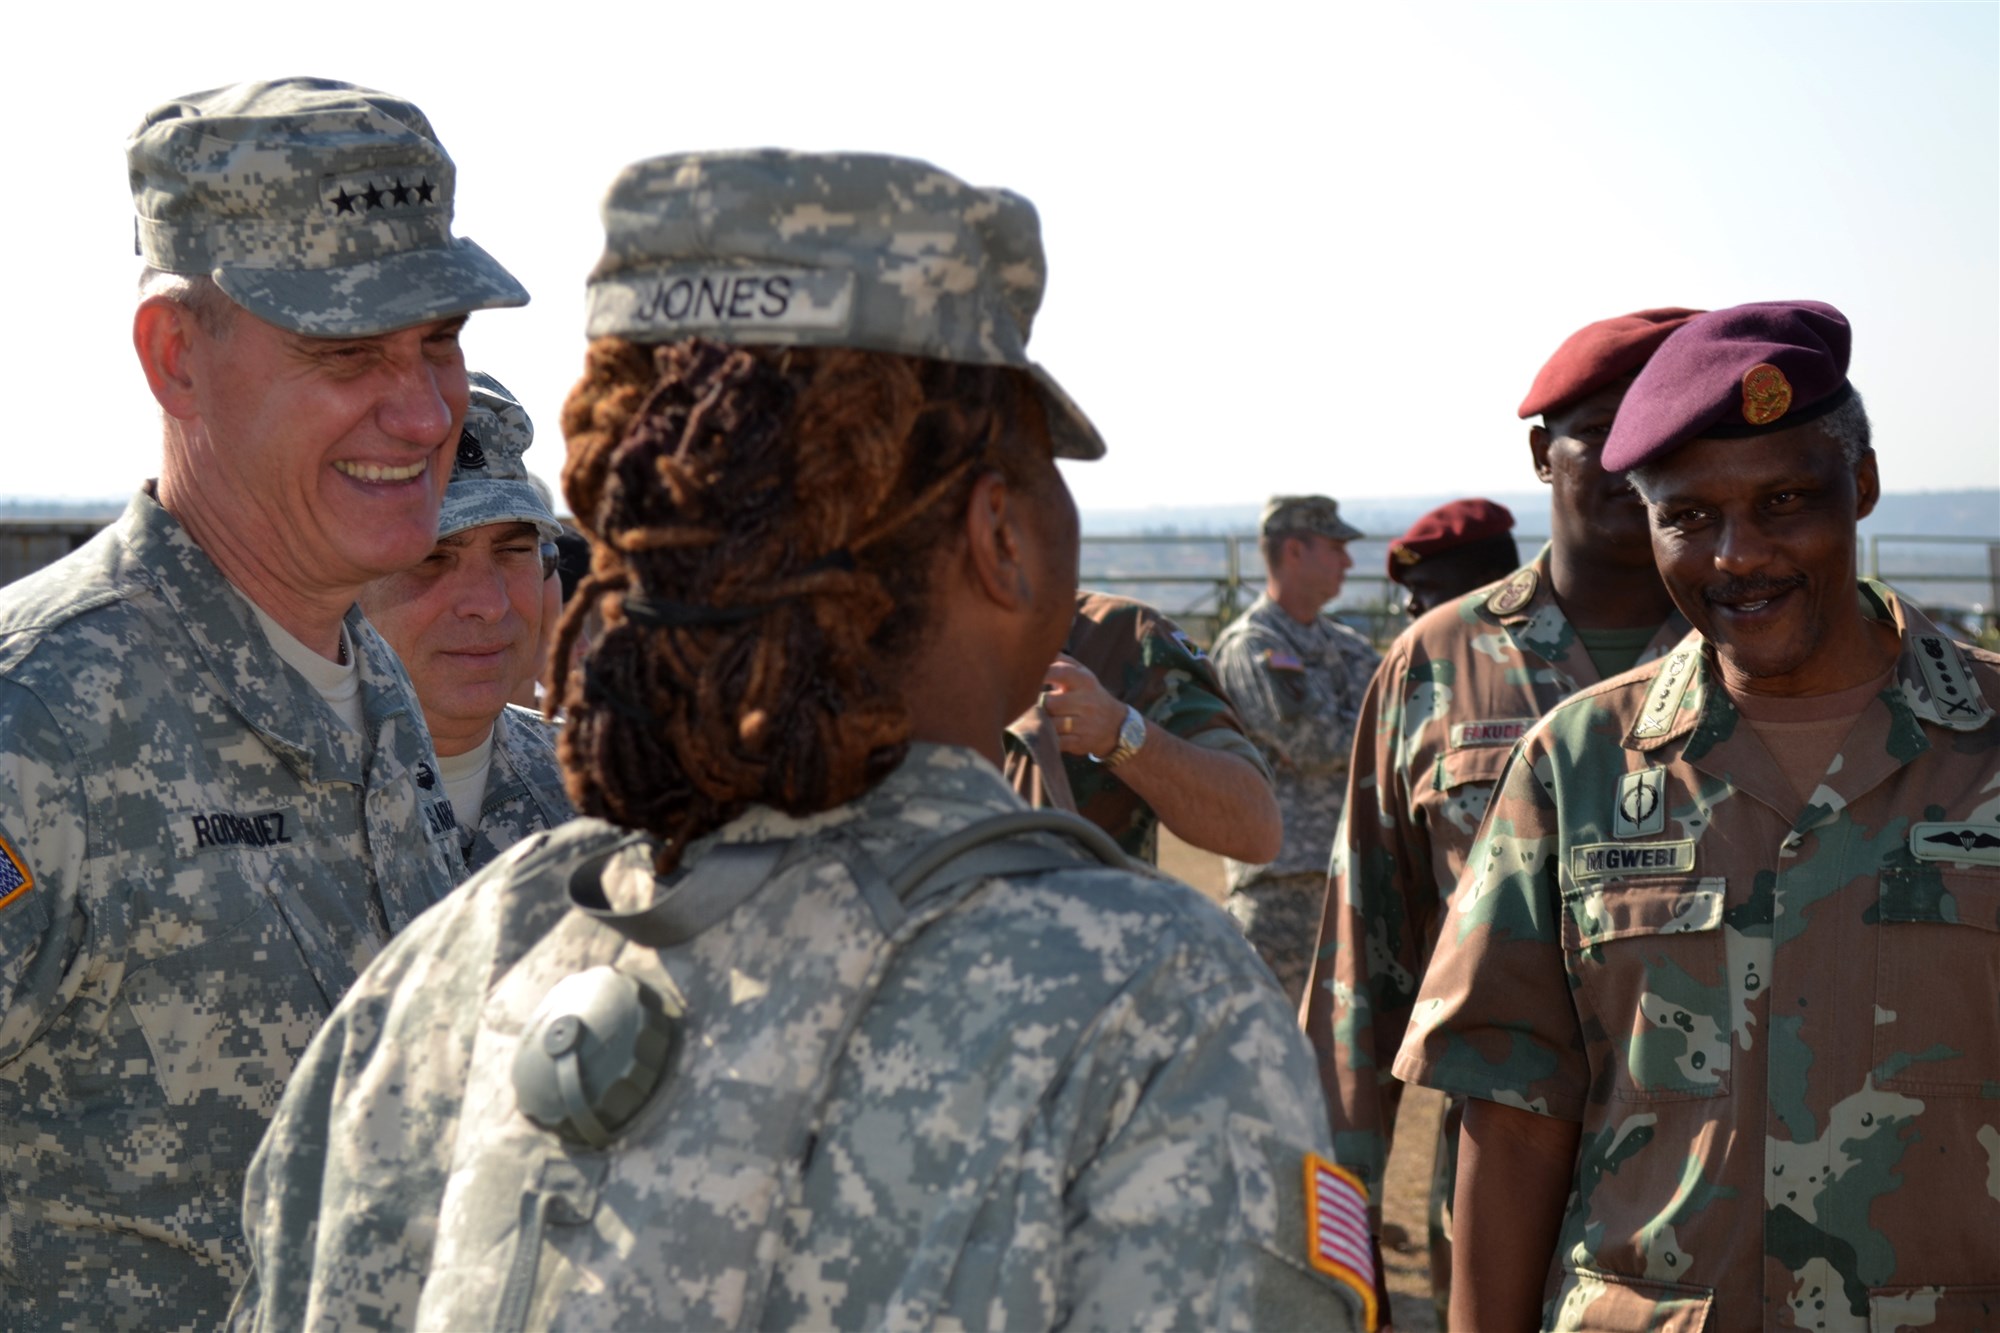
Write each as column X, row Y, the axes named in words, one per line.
column 1846, row 426
column 212, row 308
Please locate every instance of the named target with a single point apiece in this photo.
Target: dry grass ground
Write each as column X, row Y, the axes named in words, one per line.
column 1405, row 1249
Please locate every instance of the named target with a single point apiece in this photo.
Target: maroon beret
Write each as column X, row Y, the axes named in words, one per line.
column 1600, row 354
column 1747, row 370
column 1446, row 528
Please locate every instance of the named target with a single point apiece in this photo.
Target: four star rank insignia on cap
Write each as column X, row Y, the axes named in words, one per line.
column 1337, row 1235
column 1767, row 394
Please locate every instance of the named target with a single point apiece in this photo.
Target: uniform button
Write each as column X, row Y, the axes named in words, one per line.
column 562, row 1035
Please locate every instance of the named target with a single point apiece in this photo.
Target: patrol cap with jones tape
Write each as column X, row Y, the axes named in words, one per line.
column 489, row 480
column 860, row 250
column 318, row 206
column 1288, row 514
column 1748, row 370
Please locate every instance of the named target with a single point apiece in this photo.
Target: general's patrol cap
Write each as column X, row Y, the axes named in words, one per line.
column 317, row 206
column 828, row 250
column 1449, row 527
column 489, row 481
column 1598, row 355
column 1748, row 370
column 1289, row 514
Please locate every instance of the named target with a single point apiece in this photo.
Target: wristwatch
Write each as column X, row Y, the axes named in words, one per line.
column 1131, row 735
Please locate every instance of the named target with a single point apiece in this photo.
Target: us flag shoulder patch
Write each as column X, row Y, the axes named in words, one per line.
column 1337, row 1241
column 15, row 877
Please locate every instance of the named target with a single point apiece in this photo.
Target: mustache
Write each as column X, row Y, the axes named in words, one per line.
column 1737, row 591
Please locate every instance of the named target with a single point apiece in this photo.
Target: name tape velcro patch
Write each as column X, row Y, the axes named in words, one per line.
column 1337, row 1229
column 775, row 300
column 1489, row 731
column 1607, row 860
column 15, row 877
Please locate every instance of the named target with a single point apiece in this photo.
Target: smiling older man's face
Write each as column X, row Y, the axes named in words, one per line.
column 1755, row 540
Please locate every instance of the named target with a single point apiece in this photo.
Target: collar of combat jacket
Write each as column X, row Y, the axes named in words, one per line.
column 1933, row 687
column 275, row 701
column 1524, row 604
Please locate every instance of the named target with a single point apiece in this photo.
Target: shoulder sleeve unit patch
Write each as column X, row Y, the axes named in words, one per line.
column 1337, row 1229
column 15, row 877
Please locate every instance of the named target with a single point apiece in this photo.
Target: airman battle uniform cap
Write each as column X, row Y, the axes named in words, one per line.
column 489, row 480
column 827, row 250
column 1748, row 370
column 317, row 206
column 1290, row 514
column 1600, row 354
column 1447, row 528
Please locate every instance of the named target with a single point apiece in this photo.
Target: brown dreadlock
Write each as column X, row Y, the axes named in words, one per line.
column 763, row 523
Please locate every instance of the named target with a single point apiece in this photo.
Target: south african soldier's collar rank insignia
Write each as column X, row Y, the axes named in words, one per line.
column 1955, row 699
column 1515, row 593
column 1663, row 701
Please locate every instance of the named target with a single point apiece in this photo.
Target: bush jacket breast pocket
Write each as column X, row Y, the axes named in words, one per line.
column 1937, row 971
column 1464, row 780
column 1649, row 963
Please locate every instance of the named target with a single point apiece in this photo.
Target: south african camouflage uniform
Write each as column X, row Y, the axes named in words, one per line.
column 1775, row 1024
column 1067, row 1097
column 1298, row 689
column 524, row 794
column 1143, row 659
column 1455, row 692
column 198, row 859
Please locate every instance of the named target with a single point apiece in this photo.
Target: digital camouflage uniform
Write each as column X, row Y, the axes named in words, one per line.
column 1068, row 1097
column 1144, row 660
column 1457, row 689
column 524, row 791
column 1776, row 1025
column 201, row 860
column 1298, row 689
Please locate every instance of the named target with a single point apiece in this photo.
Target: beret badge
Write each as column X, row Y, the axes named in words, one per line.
column 1403, row 555
column 1767, row 394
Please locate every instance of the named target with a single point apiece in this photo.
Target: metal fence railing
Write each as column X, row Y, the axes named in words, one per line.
column 1206, row 580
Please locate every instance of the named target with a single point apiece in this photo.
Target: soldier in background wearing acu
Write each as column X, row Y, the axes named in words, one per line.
column 217, row 796
column 1719, row 981
column 1455, row 692
column 467, row 623
column 1296, row 676
column 806, row 1026
column 1133, row 732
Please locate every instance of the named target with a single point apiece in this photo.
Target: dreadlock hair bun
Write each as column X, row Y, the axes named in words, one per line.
column 763, row 526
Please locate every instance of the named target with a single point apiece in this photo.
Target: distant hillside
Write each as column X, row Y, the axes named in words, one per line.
column 1965, row 513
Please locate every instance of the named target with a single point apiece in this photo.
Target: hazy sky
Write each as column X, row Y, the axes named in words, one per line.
column 1289, row 250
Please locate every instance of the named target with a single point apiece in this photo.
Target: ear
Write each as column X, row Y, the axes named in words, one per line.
column 163, row 334
column 1538, row 447
column 996, row 544
column 1867, row 486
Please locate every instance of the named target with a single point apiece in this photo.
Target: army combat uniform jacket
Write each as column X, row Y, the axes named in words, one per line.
column 196, row 859
column 1455, row 692
column 1775, row 1023
column 524, row 793
column 1144, row 660
column 1298, row 689
column 1067, row 1097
